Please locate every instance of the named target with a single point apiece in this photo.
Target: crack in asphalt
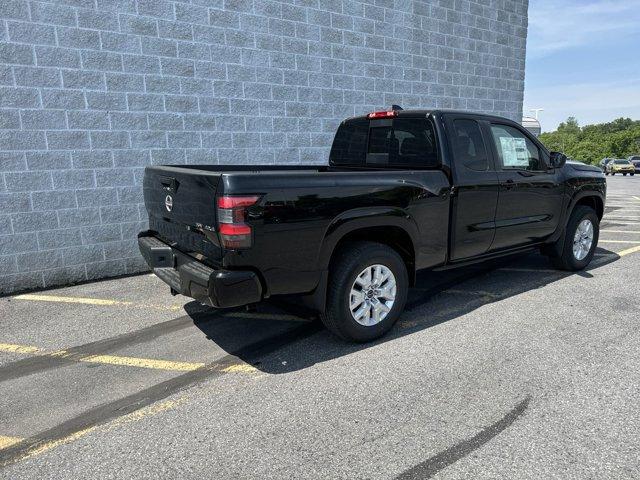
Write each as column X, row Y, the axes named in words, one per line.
column 442, row 460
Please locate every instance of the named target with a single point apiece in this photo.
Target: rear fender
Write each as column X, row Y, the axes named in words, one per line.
column 363, row 218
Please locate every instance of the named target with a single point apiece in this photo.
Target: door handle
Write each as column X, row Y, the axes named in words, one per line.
column 509, row 184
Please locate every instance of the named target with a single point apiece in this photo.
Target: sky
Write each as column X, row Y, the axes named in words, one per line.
column 583, row 60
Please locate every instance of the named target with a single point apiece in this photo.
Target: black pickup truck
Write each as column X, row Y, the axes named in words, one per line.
column 404, row 190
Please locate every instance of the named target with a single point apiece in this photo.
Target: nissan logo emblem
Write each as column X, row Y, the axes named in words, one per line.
column 168, row 202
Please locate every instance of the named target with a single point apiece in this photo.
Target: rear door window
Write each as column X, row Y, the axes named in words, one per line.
column 468, row 146
column 403, row 142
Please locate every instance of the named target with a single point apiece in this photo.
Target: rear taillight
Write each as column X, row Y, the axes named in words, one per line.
column 232, row 226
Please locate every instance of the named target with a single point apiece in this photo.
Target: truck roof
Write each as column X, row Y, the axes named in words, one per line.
column 425, row 112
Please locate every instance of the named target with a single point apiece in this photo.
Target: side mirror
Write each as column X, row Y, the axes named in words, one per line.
column 558, row 159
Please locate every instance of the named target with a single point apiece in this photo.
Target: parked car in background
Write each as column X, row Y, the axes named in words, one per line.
column 603, row 163
column 404, row 190
column 635, row 161
column 620, row 165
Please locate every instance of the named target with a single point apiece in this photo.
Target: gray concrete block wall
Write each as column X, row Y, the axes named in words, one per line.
column 92, row 91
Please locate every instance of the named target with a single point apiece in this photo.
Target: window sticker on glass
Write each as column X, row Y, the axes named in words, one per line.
column 514, row 152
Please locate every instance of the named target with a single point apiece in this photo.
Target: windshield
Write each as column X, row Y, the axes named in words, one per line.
column 621, row 162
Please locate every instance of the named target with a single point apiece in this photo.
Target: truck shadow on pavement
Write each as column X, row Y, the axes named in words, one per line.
column 280, row 337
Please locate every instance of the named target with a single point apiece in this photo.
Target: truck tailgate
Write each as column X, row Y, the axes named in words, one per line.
column 181, row 203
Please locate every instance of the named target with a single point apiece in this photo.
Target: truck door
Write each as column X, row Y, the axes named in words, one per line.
column 530, row 198
column 476, row 188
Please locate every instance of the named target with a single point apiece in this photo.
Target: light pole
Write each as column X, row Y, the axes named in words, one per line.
column 536, row 111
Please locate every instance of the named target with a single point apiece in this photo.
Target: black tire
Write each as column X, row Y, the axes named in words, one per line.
column 606, row 173
column 624, row 174
column 613, row 173
column 348, row 264
column 566, row 260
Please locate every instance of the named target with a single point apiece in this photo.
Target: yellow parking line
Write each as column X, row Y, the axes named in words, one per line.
column 13, row 348
column 91, row 301
column 6, row 442
column 143, row 363
column 637, row 198
column 85, row 301
column 618, row 241
column 151, row 363
column 108, row 302
column 629, row 250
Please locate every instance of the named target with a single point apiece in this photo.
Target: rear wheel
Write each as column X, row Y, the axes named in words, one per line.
column 579, row 241
column 367, row 291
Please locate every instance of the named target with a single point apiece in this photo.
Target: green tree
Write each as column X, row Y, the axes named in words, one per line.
column 591, row 143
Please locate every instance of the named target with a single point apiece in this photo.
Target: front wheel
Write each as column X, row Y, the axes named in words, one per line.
column 579, row 241
column 367, row 291
column 624, row 174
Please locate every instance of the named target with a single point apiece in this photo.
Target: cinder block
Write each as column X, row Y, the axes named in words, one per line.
column 106, row 101
column 105, row 61
column 87, row 120
column 33, row 33
column 156, row 8
column 48, row 160
column 37, row 77
column 57, row 57
column 21, row 281
column 92, row 159
column 120, row 42
column 53, row 13
column 67, row 140
column 124, row 82
column 110, row 140
column 63, row 99
column 83, row 254
column 18, row 243
column 19, row 97
column 78, row 217
column 73, row 179
column 38, row 261
column 149, row 139
column 34, row 221
column 138, row 25
column 53, row 200
column 22, row 140
column 9, row 120
column 15, row 9
column 181, row 103
column 82, row 80
column 100, row 20
column 64, row 276
column 78, row 38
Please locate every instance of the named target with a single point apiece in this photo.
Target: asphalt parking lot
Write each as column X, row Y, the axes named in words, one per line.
column 504, row 370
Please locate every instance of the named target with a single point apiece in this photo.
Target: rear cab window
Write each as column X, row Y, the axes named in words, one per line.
column 394, row 143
